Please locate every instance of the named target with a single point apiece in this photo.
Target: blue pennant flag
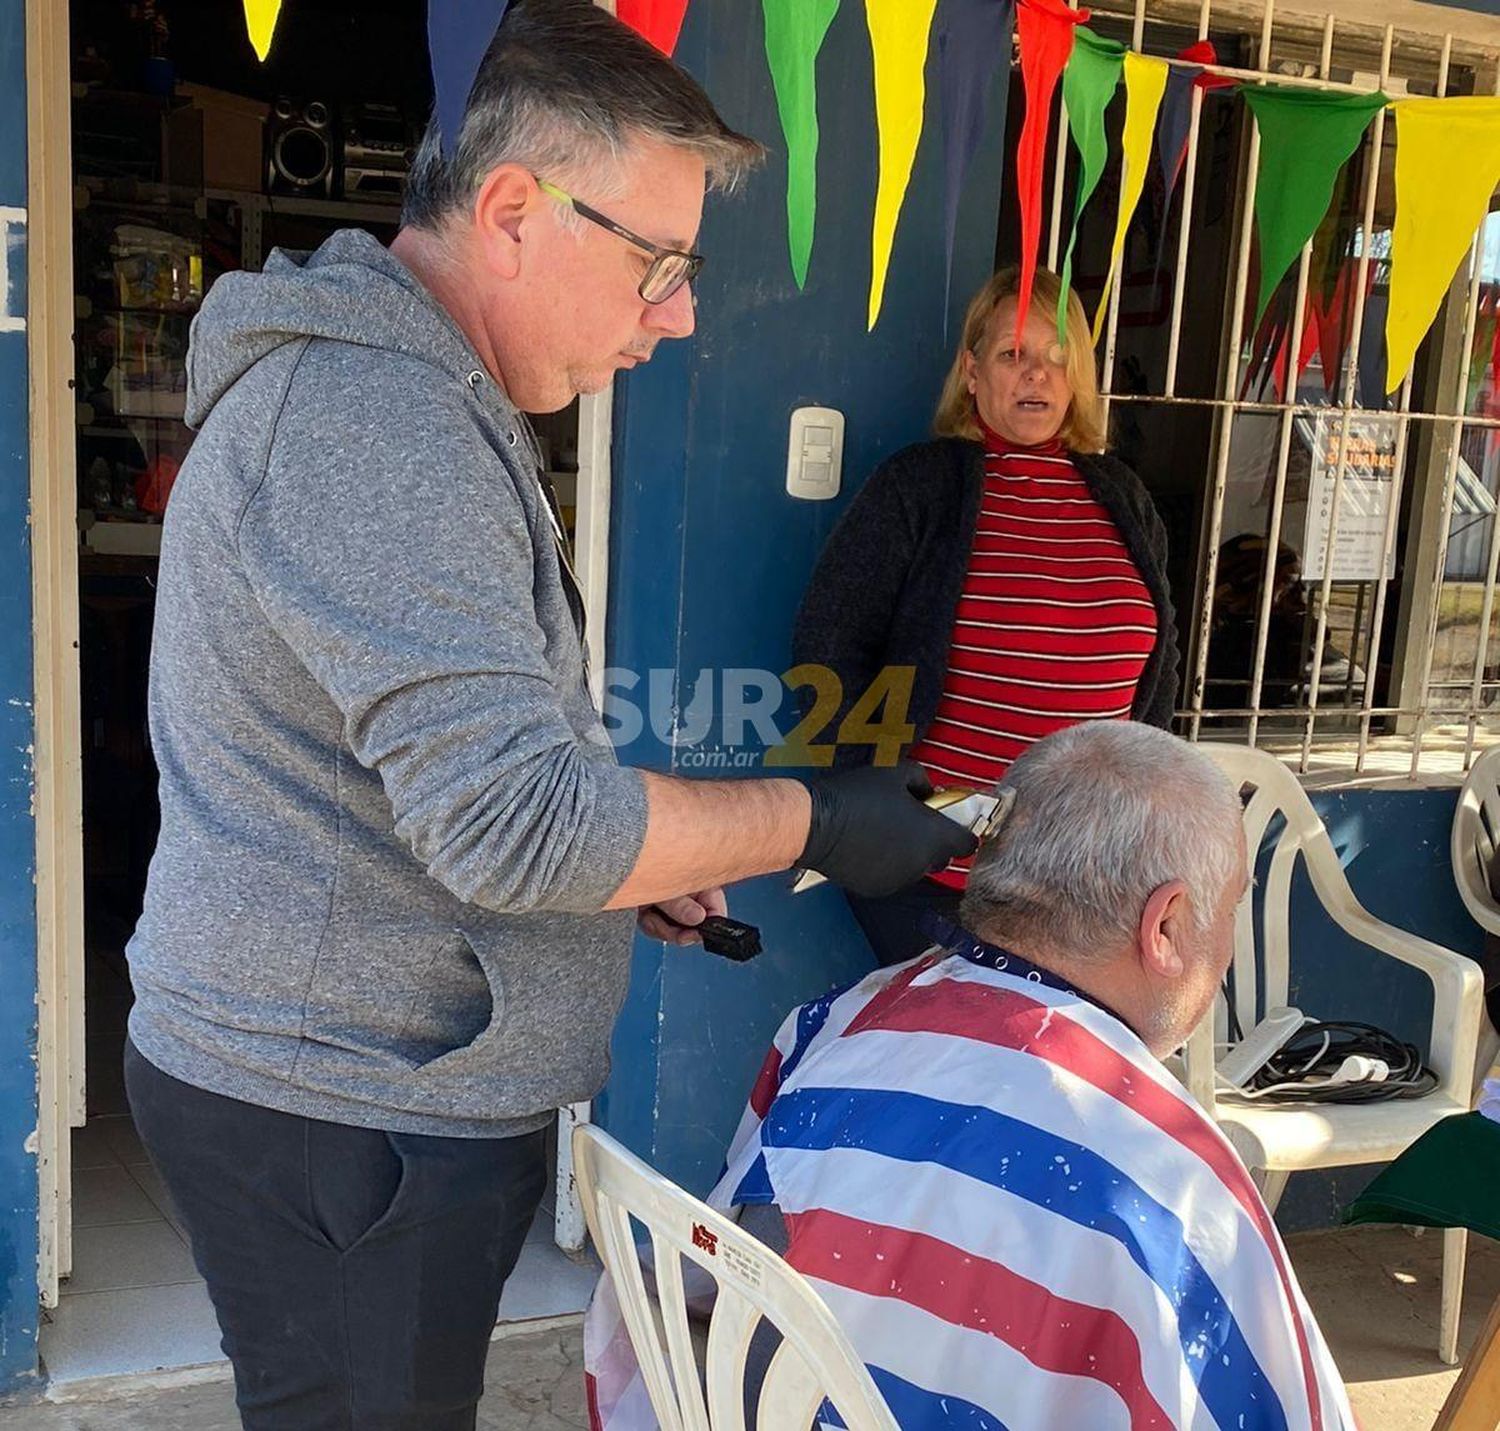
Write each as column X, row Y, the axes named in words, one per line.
column 974, row 39
column 459, row 33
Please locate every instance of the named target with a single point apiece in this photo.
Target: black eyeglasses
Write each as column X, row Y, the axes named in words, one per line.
column 670, row 268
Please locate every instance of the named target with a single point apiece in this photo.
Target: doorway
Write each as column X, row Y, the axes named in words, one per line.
column 188, row 159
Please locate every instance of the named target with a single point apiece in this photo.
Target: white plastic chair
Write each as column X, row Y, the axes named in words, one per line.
column 1277, row 1140
column 1476, row 832
column 814, row 1362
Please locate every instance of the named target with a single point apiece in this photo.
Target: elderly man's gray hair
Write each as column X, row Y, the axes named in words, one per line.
column 564, row 90
column 1105, row 812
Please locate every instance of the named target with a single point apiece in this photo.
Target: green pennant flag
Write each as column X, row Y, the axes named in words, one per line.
column 1089, row 83
column 1447, row 1178
column 795, row 30
column 1306, row 137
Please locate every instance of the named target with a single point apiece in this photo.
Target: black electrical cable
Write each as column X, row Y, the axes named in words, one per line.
column 1299, row 1072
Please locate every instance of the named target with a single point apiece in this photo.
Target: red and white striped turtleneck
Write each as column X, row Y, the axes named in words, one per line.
column 1054, row 623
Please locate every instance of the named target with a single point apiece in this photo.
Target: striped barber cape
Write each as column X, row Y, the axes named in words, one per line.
column 1021, row 1220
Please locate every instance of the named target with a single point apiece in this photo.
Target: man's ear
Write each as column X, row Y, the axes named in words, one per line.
column 505, row 198
column 1162, row 922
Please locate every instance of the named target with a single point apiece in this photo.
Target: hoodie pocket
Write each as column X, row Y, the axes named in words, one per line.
column 455, row 1003
column 457, row 1058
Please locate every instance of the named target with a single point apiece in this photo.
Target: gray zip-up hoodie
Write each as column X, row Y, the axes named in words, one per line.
column 390, row 814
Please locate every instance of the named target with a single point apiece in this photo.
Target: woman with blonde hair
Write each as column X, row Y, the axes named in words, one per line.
column 1017, row 569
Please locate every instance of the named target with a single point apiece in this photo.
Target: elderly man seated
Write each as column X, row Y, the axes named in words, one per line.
column 1018, row 1216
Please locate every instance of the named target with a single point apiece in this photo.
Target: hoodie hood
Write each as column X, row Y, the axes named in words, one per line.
column 351, row 290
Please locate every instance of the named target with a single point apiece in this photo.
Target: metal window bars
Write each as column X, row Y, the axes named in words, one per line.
column 1417, row 705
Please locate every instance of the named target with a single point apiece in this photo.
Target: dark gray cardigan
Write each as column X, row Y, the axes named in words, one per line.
column 885, row 590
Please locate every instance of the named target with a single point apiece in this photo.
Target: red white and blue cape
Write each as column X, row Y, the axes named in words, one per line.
column 1019, row 1217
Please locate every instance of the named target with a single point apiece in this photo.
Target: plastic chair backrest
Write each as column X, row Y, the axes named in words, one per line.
column 814, row 1362
column 1279, row 817
column 1476, row 832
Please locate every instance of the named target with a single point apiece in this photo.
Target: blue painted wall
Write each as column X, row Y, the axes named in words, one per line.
column 18, row 1111
column 1485, row 7
column 710, row 554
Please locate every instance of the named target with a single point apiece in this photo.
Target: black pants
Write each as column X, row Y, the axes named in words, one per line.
column 356, row 1274
column 897, row 924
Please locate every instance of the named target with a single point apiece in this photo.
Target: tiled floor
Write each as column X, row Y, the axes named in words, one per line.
column 135, row 1302
column 547, row 1282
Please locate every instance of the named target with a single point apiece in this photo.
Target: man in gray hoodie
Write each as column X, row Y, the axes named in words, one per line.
column 388, row 921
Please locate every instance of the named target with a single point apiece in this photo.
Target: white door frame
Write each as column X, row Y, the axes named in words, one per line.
column 58, row 740
column 591, row 561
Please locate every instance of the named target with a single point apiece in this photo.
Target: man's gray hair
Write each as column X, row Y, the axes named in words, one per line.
column 564, row 90
column 1105, row 812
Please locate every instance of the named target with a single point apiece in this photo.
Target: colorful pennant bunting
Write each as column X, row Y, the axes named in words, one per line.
column 459, row 34
column 261, row 17
column 1046, row 32
column 1271, row 351
column 974, row 41
column 660, row 21
column 899, row 31
column 1336, row 322
column 1089, row 83
column 1447, row 167
column 1145, row 84
column 795, row 30
column 1331, row 278
column 1306, row 137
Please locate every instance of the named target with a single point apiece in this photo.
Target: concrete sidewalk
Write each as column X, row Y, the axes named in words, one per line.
column 1374, row 1290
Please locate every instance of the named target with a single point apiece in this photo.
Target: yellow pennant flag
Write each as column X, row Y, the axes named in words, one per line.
column 260, row 16
column 1447, row 166
column 1145, row 84
column 898, row 35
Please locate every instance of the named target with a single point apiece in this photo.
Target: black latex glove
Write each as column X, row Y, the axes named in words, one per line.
column 871, row 833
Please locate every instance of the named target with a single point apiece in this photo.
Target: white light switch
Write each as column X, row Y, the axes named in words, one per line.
column 815, row 453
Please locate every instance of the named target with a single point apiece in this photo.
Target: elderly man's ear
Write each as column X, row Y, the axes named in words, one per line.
column 1164, row 923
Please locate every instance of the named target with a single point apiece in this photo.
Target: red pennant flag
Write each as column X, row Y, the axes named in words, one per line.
column 1046, row 38
column 1479, row 360
column 660, row 21
column 1312, row 337
column 1336, row 322
column 1495, row 372
column 1202, row 52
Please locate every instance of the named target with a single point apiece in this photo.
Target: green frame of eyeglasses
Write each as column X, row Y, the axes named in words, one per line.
column 679, row 266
